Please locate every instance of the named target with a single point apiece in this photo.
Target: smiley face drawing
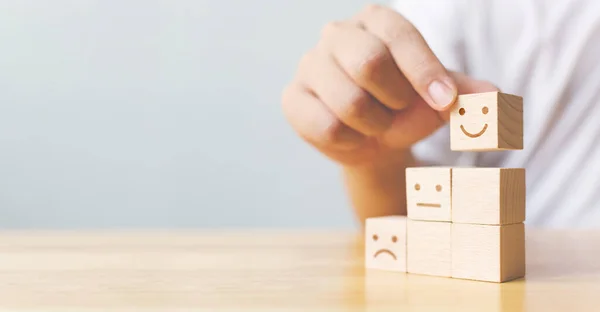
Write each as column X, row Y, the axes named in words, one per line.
column 385, row 243
column 428, row 193
column 486, row 122
column 462, row 111
column 473, row 122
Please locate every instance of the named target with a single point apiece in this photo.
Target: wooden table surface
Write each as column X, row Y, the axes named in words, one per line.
column 262, row 270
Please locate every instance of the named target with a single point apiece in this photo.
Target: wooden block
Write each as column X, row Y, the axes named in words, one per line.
column 428, row 192
column 385, row 243
column 493, row 196
column 488, row 121
column 493, row 253
column 428, row 248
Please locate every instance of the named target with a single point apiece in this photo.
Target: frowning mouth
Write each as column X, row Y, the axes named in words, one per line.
column 476, row 135
column 429, row 205
column 387, row 251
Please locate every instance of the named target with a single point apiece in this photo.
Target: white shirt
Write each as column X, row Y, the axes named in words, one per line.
column 548, row 52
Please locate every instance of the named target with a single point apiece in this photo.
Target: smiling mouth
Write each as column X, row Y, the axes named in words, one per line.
column 478, row 134
column 387, row 251
column 429, row 205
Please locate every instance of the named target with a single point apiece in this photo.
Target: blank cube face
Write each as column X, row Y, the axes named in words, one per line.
column 488, row 252
column 429, row 248
column 487, row 122
column 492, row 196
column 428, row 193
column 385, row 243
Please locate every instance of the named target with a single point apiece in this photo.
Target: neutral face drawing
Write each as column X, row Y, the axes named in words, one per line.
column 428, row 193
column 432, row 197
column 438, row 188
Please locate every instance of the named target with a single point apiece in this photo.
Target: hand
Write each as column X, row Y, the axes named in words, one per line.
column 371, row 88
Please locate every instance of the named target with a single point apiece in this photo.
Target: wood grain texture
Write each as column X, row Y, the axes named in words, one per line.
column 429, row 248
column 488, row 252
column 512, row 252
column 492, row 196
column 272, row 270
column 428, row 193
column 489, row 121
column 510, row 122
column 385, row 243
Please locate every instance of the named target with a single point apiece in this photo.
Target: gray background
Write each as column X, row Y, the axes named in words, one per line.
column 159, row 114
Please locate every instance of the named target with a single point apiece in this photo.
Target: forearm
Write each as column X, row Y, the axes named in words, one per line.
column 379, row 189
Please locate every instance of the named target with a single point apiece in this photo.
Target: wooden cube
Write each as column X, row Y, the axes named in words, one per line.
column 493, row 196
column 428, row 193
column 385, row 243
column 487, row 121
column 429, row 248
column 493, row 253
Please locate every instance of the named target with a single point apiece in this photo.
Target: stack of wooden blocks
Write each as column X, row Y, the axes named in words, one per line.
column 462, row 222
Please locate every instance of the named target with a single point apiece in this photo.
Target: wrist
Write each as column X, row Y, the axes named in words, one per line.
column 377, row 188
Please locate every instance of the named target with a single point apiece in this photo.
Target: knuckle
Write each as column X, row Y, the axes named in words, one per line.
column 420, row 65
column 289, row 99
column 375, row 58
column 306, row 65
column 424, row 68
column 399, row 30
column 287, row 95
column 307, row 59
column 330, row 29
column 407, row 32
column 372, row 8
column 332, row 132
column 358, row 104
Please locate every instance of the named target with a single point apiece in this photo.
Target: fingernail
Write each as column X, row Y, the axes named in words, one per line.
column 441, row 93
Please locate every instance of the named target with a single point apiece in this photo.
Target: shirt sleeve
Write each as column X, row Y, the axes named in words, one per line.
column 440, row 23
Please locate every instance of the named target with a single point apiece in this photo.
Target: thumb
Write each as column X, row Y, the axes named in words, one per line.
column 419, row 120
column 467, row 85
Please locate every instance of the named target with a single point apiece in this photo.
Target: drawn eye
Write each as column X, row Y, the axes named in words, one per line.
column 417, row 186
column 462, row 111
column 394, row 239
column 375, row 237
column 484, row 110
column 438, row 188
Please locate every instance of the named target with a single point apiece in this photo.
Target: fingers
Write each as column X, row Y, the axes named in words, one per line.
column 412, row 124
column 419, row 120
column 412, row 54
column 371, row 80
column 351, row 104
column 368, row 62
column 311, row 119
